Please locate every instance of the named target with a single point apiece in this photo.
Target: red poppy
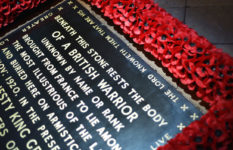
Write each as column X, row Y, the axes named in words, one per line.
column 189, row 57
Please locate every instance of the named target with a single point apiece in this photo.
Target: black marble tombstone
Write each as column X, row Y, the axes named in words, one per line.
column 68, row 82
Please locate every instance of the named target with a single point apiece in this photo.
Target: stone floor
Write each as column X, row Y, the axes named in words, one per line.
column 212, row 19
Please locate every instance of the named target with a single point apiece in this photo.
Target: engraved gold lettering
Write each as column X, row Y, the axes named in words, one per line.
column 118, row 101
column 133, row 61
column 81, row 13
column 27, row 58
column 71, row 116
column 3, row 129
column 98, row 58
column 84, row 64
column 97, row 101
column 107, row 137
column 155, row 81
column 33, row 115
column 11, row 145
column 19, row 70
column 66, row 46
column 89, row 20
column 114, row 121
column 71, row 93
column 5, row 100
column 93, row 120
column 135, row 96
column 49, row 66
column 57, row 35
column 56, row 97
column 85, row 135
column 171, row 95
column 63, row 132
column 112, row 41
column 160, row 141
column 156, row 117
column 23, row 101
column 7, row 53
column 20, row 125
column 117, row 77
column 83, row 43
column 37, row 51
column 32, row 144
column 48, row 138
column 70, row 70
column 32, row 88
column 17, row 45
column 43, row 104
column 99, row 30
column 3, row 69
column 83, row 85
column 65, row 25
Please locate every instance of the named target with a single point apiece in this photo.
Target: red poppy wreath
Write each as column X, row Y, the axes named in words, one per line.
column 190, row 58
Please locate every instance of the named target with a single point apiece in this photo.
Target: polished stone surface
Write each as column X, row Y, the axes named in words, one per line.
column 177, row 12
column 212, row 22
column 199, row 3
column 171, row 3
column 210, row 18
